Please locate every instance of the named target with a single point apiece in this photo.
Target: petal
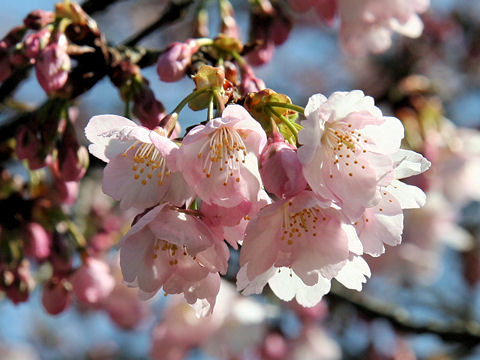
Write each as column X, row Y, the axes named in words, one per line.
column 354, row 274
column 409, row 196
column 102, row 124
column 408, row 163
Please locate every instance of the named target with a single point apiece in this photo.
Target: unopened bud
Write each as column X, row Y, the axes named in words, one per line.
column 172, row 65
column 38, row 19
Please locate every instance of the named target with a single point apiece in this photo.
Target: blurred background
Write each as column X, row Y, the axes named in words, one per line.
column 423, row 299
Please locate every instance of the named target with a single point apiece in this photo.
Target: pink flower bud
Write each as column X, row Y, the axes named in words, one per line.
column 27, row 147
column 38, row 243
column 53, row 64
column 172, row 65
column 280, row 168
column 73, row 163
column 23, row 283
column 66, row 191
column 33, row 43
column 147, row 108
column 57, row 296
column 326, row 10
column 262, row 54
column 280, row 30
column 274, row 347
column 92, row 282
column 250, row 83
column 38, row 19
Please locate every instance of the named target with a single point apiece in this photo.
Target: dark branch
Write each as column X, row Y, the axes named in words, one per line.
column 12, row 83
column 173, row 12
column 467, row 333
column 93, row 6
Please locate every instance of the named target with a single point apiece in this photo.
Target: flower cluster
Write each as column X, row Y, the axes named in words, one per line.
column 304, row 212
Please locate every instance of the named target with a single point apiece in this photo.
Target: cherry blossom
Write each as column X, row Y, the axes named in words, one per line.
column 219, row 159
column 92, row 282
column 141, row 164
column 302, row 236
column 347, row 146
column 367, row 25
column 175, row 250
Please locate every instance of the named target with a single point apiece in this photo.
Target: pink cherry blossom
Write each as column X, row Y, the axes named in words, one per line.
column 174, row 250
column 219, row 159
column 383, row 223
column 230, row 223
column 92, row 282
column 347, row 147
column 367, row 25
column 298, row 239
column 325, row 9
column 139, row 172
column 173, row 64
column 281, row 169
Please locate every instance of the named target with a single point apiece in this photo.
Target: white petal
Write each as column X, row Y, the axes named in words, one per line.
column 409, row 196
column 408, row 163
column 354, row 274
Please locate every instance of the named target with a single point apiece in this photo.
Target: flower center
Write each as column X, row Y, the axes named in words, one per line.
column 223, row 154
column 149, row 164
column 172, row 251
column 345, row 145
column 299, row 224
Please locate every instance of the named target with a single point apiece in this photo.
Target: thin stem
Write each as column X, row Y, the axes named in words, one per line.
column 127, row 106
column 210, row 107
column 293, row 107
column 187, row 99
column 287, row 122
column 173, row 12
column 238, row 58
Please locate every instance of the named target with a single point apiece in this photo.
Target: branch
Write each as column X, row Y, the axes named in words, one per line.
column 93, row 6
column 173, row 12
column 467, row 333
column 12, row 82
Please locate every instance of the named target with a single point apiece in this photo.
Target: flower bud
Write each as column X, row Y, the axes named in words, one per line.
column 53, row 65
column 172, row 65
column 146, row 107
column 23, row 283
column 281, row 169
column 250, row 83
column 38, row 19
column 35, row 42
column 38, row 242
column 57, row 296
column 27, row 147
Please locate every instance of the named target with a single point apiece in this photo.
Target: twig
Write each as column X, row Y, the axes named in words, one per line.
column 93, row 6
column 467, row 333
column 173, row 12
column 12, row 83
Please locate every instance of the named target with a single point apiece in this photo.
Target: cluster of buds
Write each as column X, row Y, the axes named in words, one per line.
column 49, row 139
column 305, row 200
